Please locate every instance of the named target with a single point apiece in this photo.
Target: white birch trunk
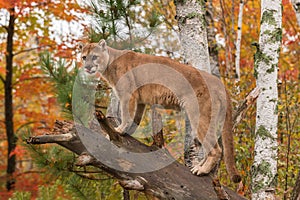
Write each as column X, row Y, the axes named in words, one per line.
column 296, row 5
column 194, row 44
column 192, row 33
column 264, row 169
column 238, row 41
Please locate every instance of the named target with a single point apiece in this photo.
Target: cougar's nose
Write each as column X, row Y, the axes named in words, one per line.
column 88, row 68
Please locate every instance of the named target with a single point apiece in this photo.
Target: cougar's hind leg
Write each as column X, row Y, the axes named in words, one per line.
column 211, row 161
column 195, row 154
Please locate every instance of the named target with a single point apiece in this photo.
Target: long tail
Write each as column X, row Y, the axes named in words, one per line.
column 228, row 145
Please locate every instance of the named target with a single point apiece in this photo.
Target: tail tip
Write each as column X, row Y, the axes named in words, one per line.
column 236, row 178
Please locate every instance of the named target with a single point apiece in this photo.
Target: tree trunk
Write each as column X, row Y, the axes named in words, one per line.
column 192, row 32
column 211, row 38
column 9, row 125
column 238, row 41
column 194, row 44
column 264, row 169
column 296, row 5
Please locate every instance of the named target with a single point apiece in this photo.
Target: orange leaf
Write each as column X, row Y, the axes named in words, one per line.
column 18, row 151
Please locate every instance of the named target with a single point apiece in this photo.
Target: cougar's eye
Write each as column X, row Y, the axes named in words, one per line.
column 83, row 58
column 94, row 57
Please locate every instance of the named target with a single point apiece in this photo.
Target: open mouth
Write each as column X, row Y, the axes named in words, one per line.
column 91, row 70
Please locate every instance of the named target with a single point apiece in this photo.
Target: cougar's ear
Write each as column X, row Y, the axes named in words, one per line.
column 80, row 46
column 102, row 44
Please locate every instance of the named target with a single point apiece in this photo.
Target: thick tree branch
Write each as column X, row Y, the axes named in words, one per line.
column 172, row 182
column 53, row 138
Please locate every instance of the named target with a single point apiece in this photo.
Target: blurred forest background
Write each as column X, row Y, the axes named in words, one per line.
column 41, row 41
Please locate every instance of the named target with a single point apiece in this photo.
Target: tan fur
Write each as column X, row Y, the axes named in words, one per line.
column 206, row 91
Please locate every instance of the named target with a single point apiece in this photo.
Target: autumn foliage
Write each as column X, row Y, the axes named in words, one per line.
column 35, row 107
column 45, row 25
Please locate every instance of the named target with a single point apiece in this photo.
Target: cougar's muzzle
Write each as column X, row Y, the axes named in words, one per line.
column 90, row 69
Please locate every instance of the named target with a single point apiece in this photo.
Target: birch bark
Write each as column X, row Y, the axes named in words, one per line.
column 238, row 41
column 194, row 44
column 264, row 168
column 296, row 5
column 192, row 33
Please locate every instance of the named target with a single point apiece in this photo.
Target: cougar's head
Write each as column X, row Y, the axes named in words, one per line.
column 95, row 57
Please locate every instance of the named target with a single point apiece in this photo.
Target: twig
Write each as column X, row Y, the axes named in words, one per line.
column 31, row 78
column 2, row 79
column 31, row 49
column 29, row 172
column 5, row 27
column 243, row 107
